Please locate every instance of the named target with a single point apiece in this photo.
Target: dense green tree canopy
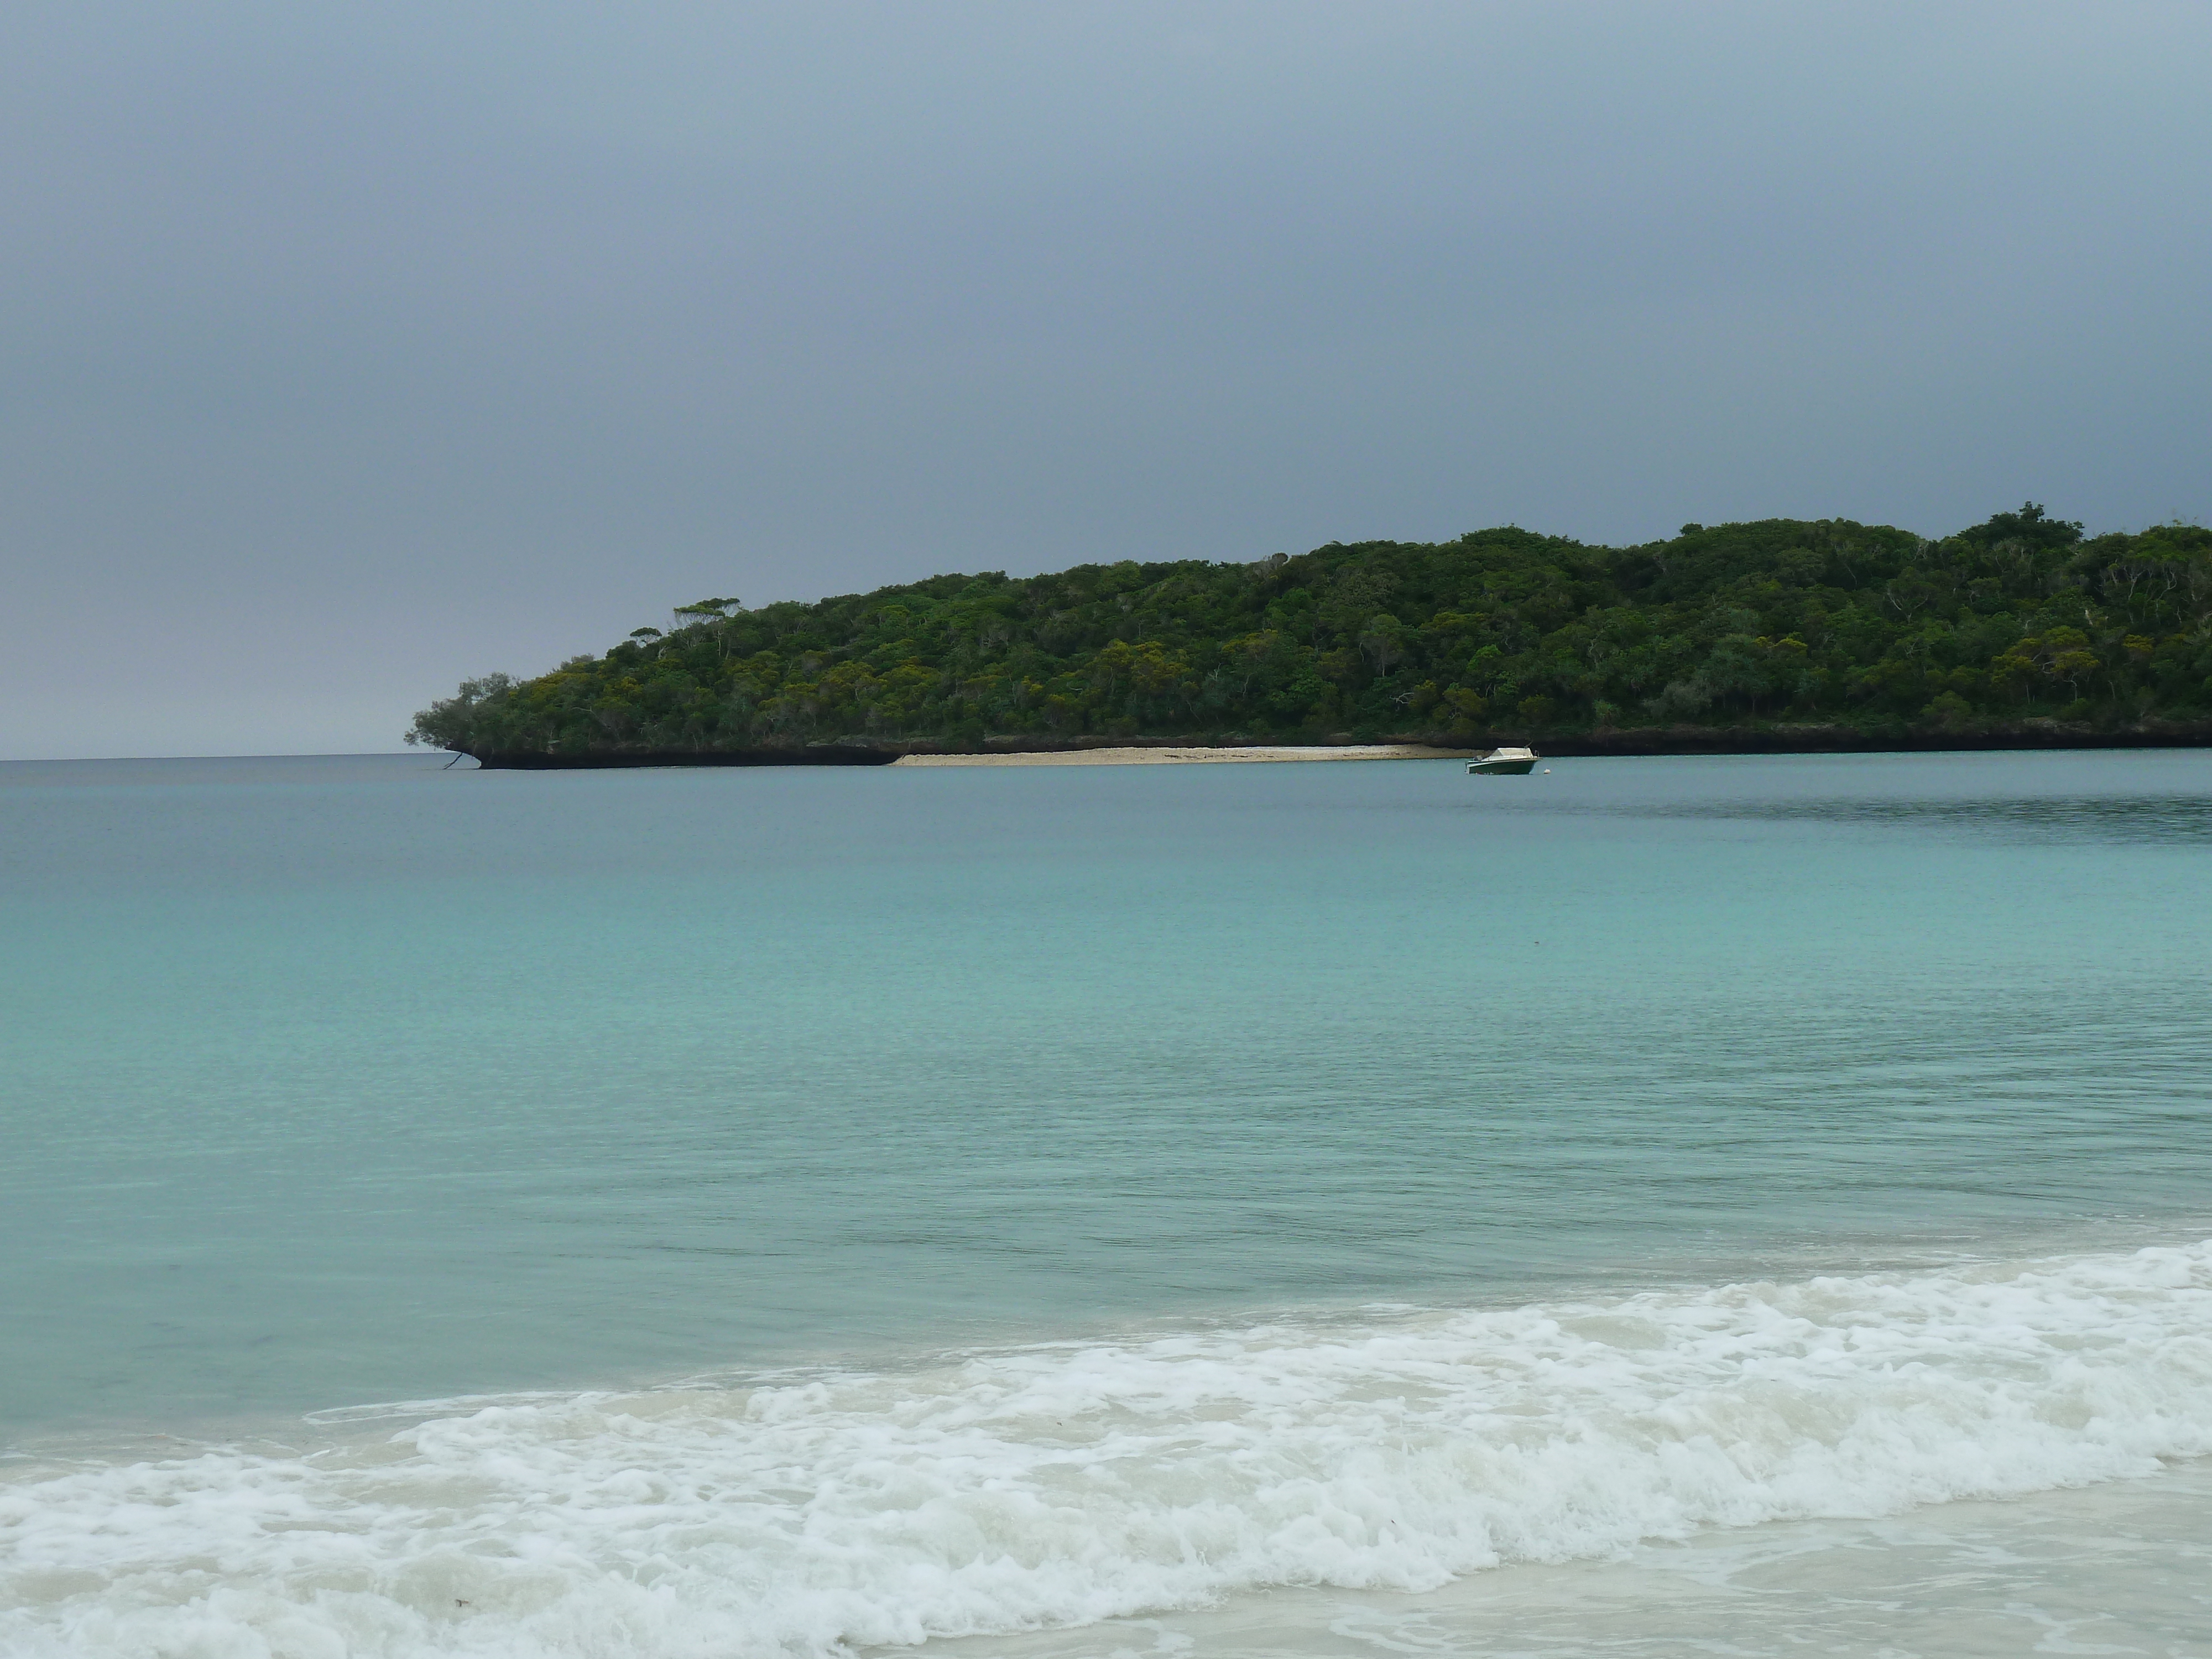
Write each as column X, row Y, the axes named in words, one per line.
column 1501, row 633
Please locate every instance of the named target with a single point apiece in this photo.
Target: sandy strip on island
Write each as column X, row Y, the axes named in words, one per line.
column 1171, row 755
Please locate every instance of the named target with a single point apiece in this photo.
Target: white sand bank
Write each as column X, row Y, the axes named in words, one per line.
column 1171, row 757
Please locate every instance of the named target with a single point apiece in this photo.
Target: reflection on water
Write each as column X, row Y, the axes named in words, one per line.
column 2152, row 819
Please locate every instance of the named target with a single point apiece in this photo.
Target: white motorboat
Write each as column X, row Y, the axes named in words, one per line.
column 1507, row 762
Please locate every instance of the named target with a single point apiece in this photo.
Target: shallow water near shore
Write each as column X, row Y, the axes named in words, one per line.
column 2117, row 1568
column 1072, row 1211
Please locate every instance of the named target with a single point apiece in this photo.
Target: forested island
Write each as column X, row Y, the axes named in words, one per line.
column 1780, row 635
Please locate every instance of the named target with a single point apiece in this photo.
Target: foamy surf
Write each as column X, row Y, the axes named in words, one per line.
column 1065, row 1485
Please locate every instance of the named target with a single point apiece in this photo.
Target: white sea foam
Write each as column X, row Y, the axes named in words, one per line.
column 1061, row 1484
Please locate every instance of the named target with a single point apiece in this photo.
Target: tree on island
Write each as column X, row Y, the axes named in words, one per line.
column 1500, row 635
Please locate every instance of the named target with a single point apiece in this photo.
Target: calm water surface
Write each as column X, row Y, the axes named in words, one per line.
column 339, row 1080
column 336, row 1082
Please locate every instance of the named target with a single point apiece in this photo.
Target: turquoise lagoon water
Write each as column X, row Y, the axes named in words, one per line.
column 1256, row 1209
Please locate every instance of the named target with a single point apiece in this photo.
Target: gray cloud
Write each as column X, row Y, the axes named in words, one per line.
column 348, row 350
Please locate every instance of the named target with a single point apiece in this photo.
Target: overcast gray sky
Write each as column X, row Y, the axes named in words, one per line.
column 346, row 350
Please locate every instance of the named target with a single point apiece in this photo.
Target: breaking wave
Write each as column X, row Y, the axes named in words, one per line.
column 1065, row 1484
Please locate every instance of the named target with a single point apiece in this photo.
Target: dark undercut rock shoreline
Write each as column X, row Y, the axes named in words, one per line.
column 1777, row 739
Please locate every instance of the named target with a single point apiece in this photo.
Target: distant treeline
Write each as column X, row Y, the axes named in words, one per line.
column 1743, row 629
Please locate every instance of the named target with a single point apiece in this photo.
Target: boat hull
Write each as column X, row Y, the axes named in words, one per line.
column 1512, row 769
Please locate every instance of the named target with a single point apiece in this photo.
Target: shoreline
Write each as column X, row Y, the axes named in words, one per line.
column 1794, row 739
column 1192, row 754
